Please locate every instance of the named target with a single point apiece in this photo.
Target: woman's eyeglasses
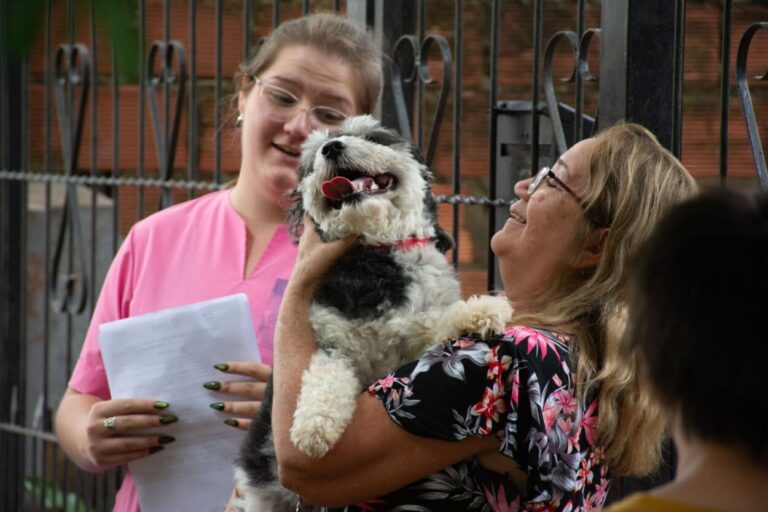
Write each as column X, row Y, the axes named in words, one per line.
column 546, row 173
column 282, row 105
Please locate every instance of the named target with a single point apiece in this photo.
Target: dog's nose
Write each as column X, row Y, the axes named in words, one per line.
column 333, row 149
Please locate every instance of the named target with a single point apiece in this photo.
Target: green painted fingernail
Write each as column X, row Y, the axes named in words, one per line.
column 166, row 439
column 155, row 449
column 221, row 367
column 161, row 405
column 214, row 385
column 219, row 406
column 168, row 418
column 231, row 422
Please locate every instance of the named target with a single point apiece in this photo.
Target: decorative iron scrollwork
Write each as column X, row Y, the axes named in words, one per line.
column 418, row 70
column 742, row 80
column 166, row 135
column 68, row 291
column 580, row 49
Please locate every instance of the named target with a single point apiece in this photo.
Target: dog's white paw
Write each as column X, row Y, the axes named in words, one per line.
column 481, row 314
column 329, row 389
column 316, row 435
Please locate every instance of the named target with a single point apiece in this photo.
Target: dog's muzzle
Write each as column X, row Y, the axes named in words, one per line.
column 351, row 184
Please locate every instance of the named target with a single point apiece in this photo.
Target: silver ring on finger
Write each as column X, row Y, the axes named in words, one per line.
column 110, row 423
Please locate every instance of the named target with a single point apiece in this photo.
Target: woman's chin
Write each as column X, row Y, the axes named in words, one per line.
column 282, row 183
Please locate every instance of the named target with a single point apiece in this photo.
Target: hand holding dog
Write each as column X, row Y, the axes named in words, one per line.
column 252, row 390
column 315, row 258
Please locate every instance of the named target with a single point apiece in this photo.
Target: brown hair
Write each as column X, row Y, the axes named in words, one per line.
column 331, row 34
column 697, row 317
column 633, row 180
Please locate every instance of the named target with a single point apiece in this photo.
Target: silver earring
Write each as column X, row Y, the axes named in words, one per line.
column 239, row 120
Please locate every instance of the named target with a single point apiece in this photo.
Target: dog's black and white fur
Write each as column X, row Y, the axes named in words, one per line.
column 381, row 305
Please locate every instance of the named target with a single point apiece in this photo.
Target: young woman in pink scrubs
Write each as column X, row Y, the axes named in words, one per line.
column 311, row 73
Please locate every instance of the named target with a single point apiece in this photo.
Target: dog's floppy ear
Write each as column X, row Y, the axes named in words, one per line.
column 443, row 241
column 418, row 156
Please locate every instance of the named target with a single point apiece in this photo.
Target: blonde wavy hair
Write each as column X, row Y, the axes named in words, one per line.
column 633, row 181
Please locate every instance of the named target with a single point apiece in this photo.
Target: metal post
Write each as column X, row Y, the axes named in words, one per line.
column 389, row 20
column 11, row 265
column 638, row 50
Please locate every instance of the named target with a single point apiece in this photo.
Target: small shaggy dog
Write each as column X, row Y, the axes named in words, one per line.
column 383, row 303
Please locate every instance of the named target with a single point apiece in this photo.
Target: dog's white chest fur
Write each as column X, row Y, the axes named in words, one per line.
column 378, row 345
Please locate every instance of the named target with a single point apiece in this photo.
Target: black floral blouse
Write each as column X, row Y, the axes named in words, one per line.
column 517, row 387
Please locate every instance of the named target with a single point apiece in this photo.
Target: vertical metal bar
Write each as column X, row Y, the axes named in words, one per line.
column 641, row 67
column 335, row 5
column 54, row 472
column 115, row 150
column 275, row 13
column 71, row 18
column 578, row 125
column 493, row 99
column 48, row 70
column 192, row 118
column 304, row 7
column 34, row 466
column 142, row 92
column 677, row 78
column 166, row 136
column 421, row 14
column 47, row 413
column 11, row 262
column 538, row 23
column 725, row 76
column 391, row 23
column 458, row 30
column 5, row 483
column 217, row 96
column 246, row 29
column 94, row 158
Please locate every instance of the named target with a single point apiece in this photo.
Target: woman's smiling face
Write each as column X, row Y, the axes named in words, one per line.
column 271, row 148
column 538, row 244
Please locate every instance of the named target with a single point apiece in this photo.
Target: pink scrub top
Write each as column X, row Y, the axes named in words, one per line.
column 187, row 253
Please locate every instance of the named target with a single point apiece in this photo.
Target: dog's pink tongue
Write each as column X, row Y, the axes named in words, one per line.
column 340, row 187
column 335, row 189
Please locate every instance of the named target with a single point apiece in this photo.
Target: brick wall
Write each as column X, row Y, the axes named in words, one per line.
column 700, row 151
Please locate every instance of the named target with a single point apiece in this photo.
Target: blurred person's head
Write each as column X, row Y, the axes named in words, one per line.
column 699, row 318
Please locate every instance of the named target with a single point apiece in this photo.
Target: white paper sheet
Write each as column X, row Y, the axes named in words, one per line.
column 168, row 355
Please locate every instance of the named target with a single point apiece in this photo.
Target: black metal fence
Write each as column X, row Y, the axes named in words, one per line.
column 488, row 89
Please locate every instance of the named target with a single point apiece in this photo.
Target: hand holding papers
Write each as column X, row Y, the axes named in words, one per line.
column 167, row 356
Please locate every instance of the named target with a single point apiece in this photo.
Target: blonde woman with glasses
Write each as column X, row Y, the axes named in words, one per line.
column 539, row 418
column 310, row 73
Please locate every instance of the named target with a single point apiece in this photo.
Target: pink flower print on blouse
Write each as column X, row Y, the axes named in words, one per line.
column 491, row 406
column 497, row 367
column 498, row 501
column 536, row 340
column 589, row 423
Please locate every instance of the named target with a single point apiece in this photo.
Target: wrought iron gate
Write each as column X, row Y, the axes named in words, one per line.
column 488, row 89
